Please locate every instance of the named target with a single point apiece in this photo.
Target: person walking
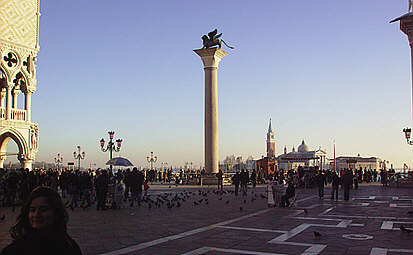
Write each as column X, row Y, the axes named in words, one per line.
column 220, row 177
column 136, row 180
column 335, row 184
column 289, row 193
column 244, row 179
column 254, row 178
column 320, row 181
column 346, row 181
column 236, row 181
column 101, row 185
column 74, row 189
column 85, row 187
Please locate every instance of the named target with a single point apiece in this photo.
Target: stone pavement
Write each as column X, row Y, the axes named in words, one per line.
column 367, row 224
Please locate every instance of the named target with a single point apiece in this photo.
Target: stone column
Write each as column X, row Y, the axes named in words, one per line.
column 16, row 93
column 26, row 163
column 28, row 105
column 406, row 26
column 211, row 58
column 8, row 101
column 2, row 96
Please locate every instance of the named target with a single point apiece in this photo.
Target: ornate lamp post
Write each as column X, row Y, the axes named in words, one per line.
column 79, row 156
column 111, row 145
column 58, row 160
column 152, row 159
column 407, row 133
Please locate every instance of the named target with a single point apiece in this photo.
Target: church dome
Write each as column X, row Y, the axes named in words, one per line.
column 303, row 147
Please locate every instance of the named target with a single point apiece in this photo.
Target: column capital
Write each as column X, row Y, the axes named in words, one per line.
column 211, row 56
column 406, row 26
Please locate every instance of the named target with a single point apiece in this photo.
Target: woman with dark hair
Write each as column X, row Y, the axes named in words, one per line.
column 41, row 227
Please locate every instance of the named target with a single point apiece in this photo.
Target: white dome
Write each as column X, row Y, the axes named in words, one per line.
column 303, row 147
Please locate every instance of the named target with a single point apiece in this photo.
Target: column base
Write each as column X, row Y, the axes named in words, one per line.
column 27, row 164
column 209, row 179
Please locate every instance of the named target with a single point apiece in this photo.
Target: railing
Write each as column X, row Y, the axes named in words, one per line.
column 16, row 114
column 401, row 179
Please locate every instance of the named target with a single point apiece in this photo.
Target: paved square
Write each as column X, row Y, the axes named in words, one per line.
column 225, row 224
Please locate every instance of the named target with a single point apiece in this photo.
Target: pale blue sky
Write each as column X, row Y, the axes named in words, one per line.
column 322, row 70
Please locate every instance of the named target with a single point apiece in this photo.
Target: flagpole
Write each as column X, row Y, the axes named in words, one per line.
column 335, row 166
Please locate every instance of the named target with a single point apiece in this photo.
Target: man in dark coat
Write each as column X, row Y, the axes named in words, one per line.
column 335, row 184
column 101, row 185
column 320, row 181
column 235, row 181
column 220, row 178
column 289, row 193
column 347, row 180
column 136, row 179
column 244, row 179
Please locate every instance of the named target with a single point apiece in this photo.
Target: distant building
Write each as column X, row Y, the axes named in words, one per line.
column 302, row 157
column 344, row 162
column 268, row 164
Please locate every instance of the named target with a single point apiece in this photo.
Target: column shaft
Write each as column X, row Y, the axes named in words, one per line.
column 28, row 105
column 211, row 120
column 8, row 102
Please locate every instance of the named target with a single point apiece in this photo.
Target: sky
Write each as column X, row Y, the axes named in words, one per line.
column 322, row 70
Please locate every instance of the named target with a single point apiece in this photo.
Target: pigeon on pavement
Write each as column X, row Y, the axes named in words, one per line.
column 316, row 234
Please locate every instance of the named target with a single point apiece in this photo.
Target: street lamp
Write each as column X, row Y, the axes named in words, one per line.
column 77, row 155
column 111, row 145
column 152, row 159
column 58, row 160
column 407, row 131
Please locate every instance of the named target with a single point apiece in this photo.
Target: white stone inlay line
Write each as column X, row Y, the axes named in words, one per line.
column 284, row 237
column 326, row 211
column 204, row 250
column 383, row 251
column 184, row 234
column 254, row 229
column 387, row 225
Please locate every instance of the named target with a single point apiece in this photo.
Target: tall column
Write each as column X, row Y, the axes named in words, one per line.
column 28, row 105
column 406, row 26
column 2, row 96
column 211, row 58
column 16, row 93
column 8, row 100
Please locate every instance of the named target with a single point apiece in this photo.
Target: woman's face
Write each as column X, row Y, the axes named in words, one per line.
column 41, row 214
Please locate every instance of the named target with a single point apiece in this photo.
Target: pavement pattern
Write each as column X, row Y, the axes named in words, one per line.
column 209, row 222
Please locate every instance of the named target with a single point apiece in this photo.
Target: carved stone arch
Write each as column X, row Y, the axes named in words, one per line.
column 20, row 81
column 4, row 75
column 7, row 134
column 3, row 78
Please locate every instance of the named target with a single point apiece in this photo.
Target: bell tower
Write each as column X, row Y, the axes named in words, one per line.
column 19, row 44
column 270, row 141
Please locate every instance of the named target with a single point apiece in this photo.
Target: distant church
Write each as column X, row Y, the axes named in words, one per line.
column 268, row 164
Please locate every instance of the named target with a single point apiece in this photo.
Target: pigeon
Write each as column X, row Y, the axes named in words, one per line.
column 410, row 212
column 220, row 198
column 241, row 208
column 227, row 202
column 408, row 231
column 3, row 217
column 316, row 234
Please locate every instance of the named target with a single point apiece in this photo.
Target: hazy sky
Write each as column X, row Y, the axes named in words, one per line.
column 323, row 70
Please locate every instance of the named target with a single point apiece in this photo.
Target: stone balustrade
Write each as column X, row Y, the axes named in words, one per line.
column 16, row 114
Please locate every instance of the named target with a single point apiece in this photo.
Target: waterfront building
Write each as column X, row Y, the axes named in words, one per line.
column 302, row 157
